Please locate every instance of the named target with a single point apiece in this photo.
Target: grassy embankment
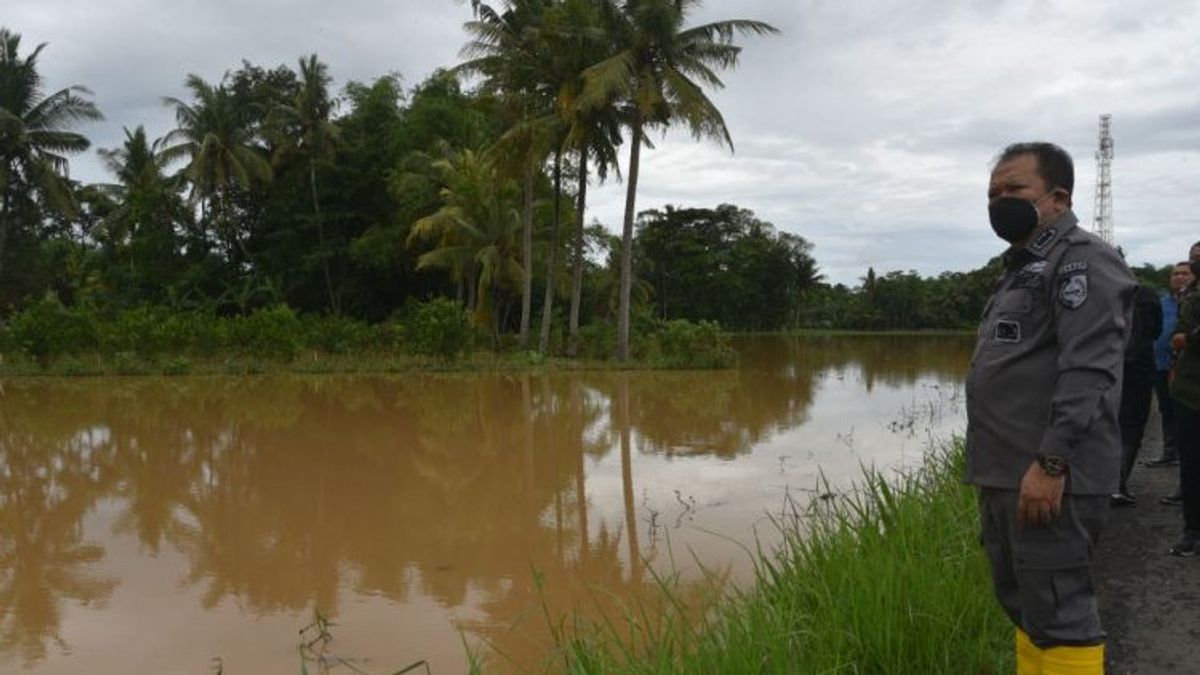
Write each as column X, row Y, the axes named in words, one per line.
column 888, row 580
column 49, row 339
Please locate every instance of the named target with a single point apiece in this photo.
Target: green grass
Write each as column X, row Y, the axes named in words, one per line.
column 890, row 580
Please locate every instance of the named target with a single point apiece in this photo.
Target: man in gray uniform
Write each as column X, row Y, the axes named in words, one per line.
column 1043, row 391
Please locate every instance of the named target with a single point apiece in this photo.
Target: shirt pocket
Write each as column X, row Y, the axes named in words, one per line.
column 1017, row 301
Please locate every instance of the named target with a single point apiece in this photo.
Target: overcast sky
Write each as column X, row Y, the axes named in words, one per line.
column 866, row 127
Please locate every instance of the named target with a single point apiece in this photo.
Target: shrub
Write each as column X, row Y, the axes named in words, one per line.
column 336, row 334
column 194, row 332
column 684, row 344
column 438, row 328
column 46, row 329
column 136, row 330
column 177, row 365
column 272, row 332
column 597, row 340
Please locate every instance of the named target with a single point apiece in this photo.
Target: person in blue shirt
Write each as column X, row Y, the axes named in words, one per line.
column 1181, row 278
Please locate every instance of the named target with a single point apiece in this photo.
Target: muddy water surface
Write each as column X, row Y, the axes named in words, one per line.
column 152, row 525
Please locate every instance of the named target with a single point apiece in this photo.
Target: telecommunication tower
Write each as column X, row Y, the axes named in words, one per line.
column 1103, row 226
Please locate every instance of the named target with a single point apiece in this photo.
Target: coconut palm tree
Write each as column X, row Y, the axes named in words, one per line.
column 216, row 140
column 591, row 132
column 35, row 136
column 310, row 113
column 141, row 231
column 475, row 234
column 657, row 78
column 505, row 50
column 142, row 186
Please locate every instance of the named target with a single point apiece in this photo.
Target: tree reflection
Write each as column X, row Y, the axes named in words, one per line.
column 45, row 490
column 281, row 492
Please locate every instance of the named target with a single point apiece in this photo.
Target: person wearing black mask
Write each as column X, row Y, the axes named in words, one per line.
column 1043, row 444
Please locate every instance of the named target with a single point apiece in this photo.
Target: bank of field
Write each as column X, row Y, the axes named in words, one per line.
column 890, row 580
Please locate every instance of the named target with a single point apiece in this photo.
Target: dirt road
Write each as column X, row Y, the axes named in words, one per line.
column 1149, row 600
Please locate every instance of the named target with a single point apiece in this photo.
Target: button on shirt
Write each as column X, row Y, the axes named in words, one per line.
column 1045, row 377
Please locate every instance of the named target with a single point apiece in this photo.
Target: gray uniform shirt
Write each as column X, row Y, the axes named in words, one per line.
column 1045, row 377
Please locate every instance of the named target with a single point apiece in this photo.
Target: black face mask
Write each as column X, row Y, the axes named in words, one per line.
column 1013, row 218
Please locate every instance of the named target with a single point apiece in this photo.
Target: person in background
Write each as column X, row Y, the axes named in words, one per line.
column 1137, row 385
column 1043, row 444
column 1185, row 395
column 1176, row 498
column 1181, row 277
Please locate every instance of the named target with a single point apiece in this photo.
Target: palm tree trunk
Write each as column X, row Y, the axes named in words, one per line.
column 577, row 254
column 635, row 154
column 527, row 257
column 552, row 264
column 312, row 184
column 5, row 201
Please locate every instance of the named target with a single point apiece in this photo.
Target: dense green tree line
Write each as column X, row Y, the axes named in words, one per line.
column 273, row 189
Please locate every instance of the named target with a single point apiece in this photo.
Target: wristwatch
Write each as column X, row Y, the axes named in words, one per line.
column 1053, row 465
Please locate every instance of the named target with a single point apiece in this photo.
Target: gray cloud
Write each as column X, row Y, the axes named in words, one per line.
column 866, row 127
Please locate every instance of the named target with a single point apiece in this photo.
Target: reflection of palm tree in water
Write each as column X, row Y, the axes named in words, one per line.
column 44, row 494
column 624, row 423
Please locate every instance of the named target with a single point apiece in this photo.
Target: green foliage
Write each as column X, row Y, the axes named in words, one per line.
column 338, row 334
column 439, row 328
column 274, row 332
column 597, row 340
column 900, row 301
column 715, row 263
column 46, row 329
column 684, row 344
column 1158, row 278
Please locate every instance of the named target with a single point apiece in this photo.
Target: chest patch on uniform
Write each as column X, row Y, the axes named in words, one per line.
column 1077, row 266
column 1008, row 331
column 1073, row 290
column 1030, row 276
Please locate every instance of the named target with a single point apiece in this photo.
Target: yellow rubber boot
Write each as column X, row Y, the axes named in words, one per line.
column 1029, row 656
column 1073, row 660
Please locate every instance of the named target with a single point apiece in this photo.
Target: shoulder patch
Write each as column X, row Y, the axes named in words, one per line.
column 1073, row 290
column 1077, row 266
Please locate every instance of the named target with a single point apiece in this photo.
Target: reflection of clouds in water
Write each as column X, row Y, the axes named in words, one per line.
column 848, row 428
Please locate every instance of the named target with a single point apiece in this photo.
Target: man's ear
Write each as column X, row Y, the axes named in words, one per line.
column 1063, row 199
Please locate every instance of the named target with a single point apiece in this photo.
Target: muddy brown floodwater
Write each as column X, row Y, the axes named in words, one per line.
column 152, row 525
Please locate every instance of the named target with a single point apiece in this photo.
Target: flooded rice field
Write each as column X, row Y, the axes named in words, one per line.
column 159, row 525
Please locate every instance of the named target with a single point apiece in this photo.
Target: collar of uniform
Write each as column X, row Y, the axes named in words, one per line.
column 1042, row 241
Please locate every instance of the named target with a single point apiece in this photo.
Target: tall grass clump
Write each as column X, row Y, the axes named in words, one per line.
column 888, row 580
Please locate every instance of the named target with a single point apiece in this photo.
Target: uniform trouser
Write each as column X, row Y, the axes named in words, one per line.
column 1042, row 574
column 1166, row 411
column 1187, row 422
column 1136, row 388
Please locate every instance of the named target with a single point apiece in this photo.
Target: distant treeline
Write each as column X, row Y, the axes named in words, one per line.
column 273, row 191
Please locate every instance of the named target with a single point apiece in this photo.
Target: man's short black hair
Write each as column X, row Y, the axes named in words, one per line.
column 1193, row 246
column 1055, row 166
column 1187, row 263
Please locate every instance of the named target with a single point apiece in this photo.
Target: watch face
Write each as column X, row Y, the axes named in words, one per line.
column 1053, row 466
